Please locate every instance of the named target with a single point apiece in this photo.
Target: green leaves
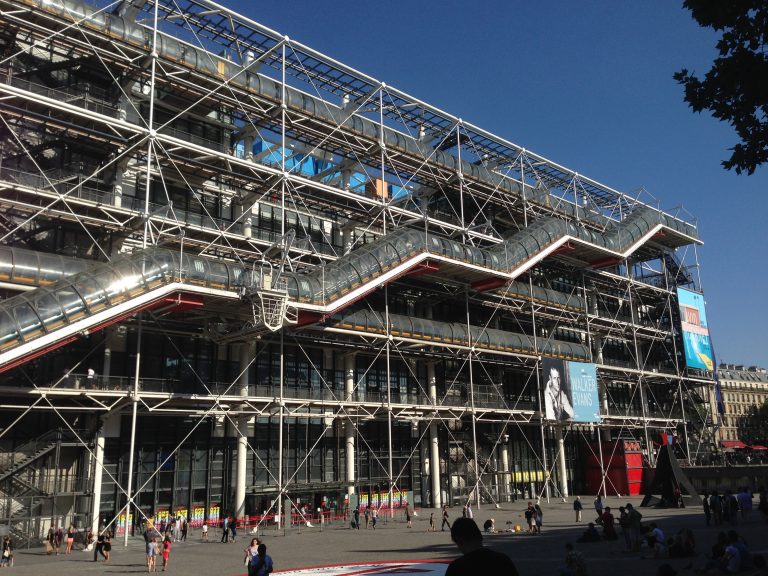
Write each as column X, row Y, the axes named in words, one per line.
column 735, row 89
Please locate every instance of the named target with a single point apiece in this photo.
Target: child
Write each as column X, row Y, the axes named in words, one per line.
column 204, row 535
column 431, row 522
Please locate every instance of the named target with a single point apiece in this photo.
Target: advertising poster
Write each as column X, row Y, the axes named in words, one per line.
column 198, row 516
column 364, row 500
column 557, row 397
column 693, row 320
column 582, row 381
column 120, row 524
column 570, row 391
column 214, row 512
column 161, row 517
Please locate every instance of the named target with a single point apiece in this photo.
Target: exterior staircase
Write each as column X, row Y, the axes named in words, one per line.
column 24, row 490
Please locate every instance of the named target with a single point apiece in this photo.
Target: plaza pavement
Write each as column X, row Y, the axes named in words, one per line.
column 540, row 555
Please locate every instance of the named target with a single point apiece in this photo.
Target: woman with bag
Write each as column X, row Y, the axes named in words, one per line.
column 7, row 559
column 251, row 553
column 151, row 549
column 50, row 539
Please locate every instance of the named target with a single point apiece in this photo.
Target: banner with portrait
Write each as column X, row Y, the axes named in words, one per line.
column 693, row 324
column 570, row 391
column 582, row 381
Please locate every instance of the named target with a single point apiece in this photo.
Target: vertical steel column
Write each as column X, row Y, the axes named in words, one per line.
column 281, row 417
column 434, row 440
column 384, row 200
column 349, row 425
column 563, row 469
column 98, row 469
column 135, row 395
column 472, row 403
column 506, row 484
column 246, row 354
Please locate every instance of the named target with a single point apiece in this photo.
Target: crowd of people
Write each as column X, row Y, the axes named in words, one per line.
column 730, row 554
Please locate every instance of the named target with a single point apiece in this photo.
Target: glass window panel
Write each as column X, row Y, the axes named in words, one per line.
column 49, row 310
column 25, row 266
column 28, row 322
column 9, row 335
column 92, row 292
column 51, row 268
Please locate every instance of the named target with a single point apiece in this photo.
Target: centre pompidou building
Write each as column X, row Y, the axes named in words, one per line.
column 238, row 273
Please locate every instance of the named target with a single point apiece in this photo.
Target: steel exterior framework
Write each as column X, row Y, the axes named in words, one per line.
column 242, row 135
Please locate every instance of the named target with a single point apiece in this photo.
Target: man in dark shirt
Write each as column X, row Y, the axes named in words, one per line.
column 476, row 558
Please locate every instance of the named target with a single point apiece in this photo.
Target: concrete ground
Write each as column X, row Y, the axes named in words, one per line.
column 336, row 543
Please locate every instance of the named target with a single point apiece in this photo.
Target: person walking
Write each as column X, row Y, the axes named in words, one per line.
column 107, row 548
column 374, row 517
column 151, row 549
column 184, row 528
column 262, row 564
column 599, row 506
column 233, row 528
column 58, row 539
column 577, row 508
column 204, row 532
column 7, row 558
column 251, row 554
column 99, row 548
column 445, row 519
column 431, row 522
column 408, row 516
column 367, row 514
column 166, row 552
column 70, row 539
column 356, row 518
column 225, row 530
column 538, row 516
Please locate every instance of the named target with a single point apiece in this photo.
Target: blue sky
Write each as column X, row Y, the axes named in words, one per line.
column 588, row 85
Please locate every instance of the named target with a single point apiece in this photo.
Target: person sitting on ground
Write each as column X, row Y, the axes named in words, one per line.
column 652, row 548
column 590, row 534
column 665, row 570
column 476, row 558
column 574, row 562
column 683, row 544
column 761, row 566
column 745, row 556
column 489, row 526
column 657, row 533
